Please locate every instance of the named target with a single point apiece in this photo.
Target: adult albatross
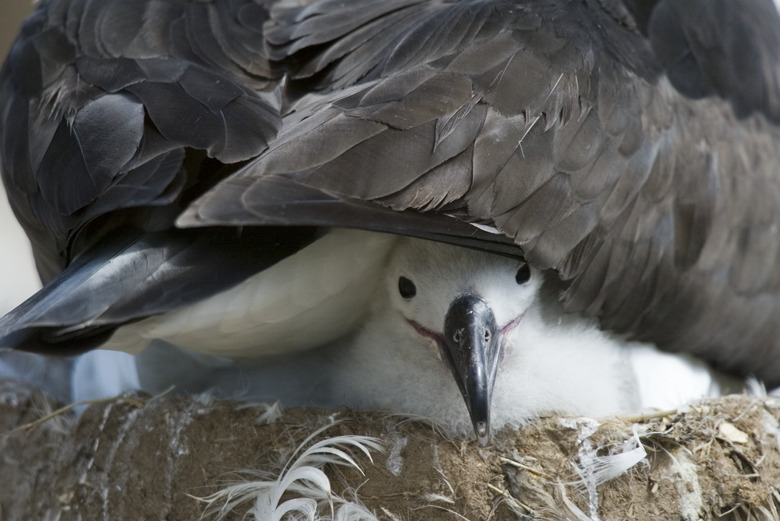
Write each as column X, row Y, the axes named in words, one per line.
column 161, row 152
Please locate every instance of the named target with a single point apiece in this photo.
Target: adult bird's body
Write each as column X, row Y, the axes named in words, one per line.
column 159, row 153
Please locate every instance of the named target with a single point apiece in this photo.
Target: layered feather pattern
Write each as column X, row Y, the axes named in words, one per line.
column 102, row 98
column 653, row 197
column 631, row 147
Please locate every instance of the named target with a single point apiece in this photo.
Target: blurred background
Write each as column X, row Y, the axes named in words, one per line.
column 18, row 279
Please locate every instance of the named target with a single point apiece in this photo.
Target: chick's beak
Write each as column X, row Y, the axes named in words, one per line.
column 472, row 348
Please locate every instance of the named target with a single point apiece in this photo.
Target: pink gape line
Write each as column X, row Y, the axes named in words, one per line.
column 436, row 337
column 511, row 325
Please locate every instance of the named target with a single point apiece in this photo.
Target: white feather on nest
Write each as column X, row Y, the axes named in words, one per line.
column 303, row 478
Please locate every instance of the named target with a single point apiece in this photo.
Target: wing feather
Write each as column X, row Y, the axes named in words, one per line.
column 629, row 146
column 98, row 94
column 645, row 182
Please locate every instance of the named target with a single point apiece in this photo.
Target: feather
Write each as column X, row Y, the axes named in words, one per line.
column 131, row 275
column 628, row 146
column 301, row 476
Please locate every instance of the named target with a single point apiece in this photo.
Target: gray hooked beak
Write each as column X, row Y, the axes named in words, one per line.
column 473, row 350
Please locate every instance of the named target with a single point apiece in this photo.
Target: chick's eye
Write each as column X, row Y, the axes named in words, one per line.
column 523, row 274
column 406, row 288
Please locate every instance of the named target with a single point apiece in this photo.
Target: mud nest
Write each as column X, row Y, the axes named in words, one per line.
column 142, row 458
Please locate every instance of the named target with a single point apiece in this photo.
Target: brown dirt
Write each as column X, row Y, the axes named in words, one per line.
column 718, row 460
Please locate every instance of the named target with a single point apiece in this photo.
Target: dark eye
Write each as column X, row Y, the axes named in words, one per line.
column 523, row 274
column 406, row 287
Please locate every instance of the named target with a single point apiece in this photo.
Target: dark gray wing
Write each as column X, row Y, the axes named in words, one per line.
column 115, row 114
column 103, row 99
column 632, row 147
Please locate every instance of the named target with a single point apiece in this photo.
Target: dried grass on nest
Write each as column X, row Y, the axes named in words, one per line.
column 719, row 459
